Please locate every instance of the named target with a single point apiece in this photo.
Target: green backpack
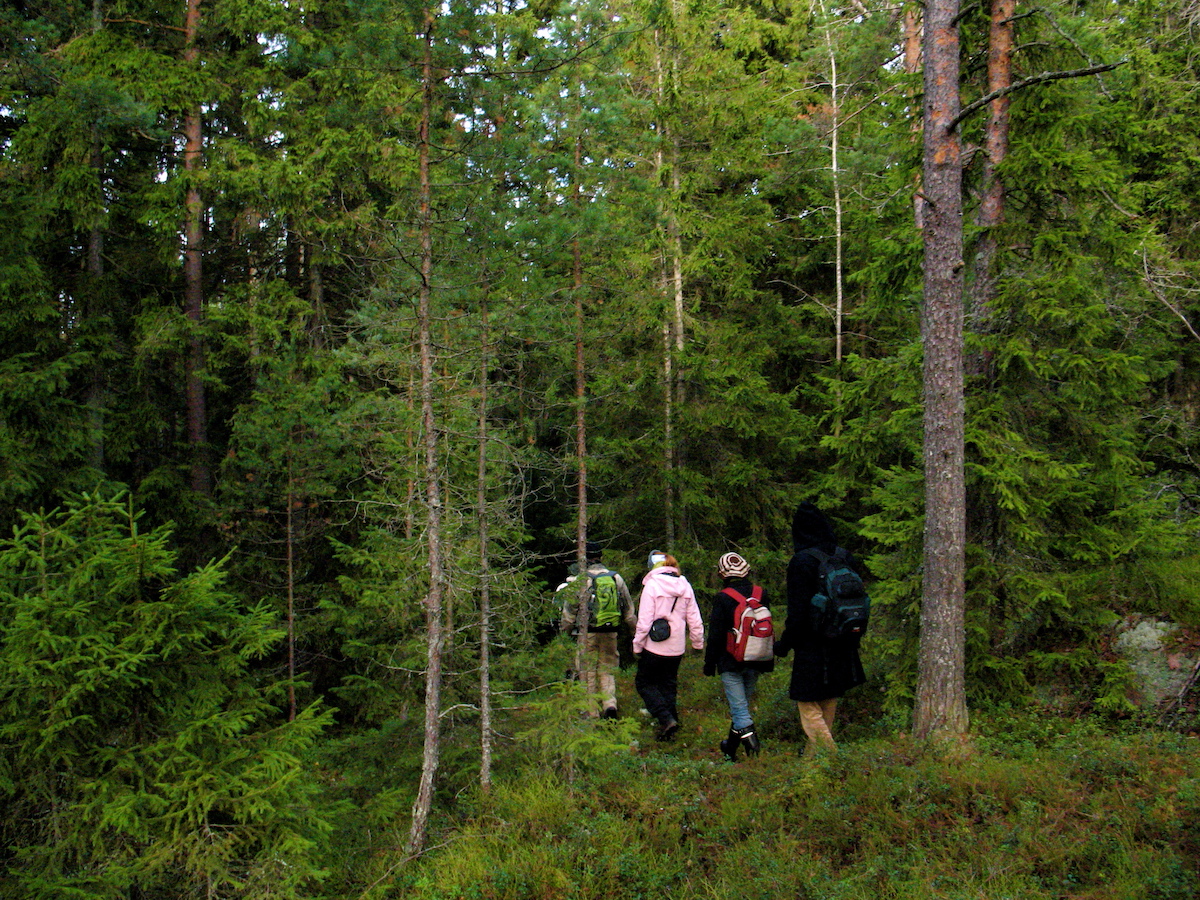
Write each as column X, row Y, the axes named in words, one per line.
column 605, row 604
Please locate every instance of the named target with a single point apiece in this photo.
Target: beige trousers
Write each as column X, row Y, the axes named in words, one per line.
column 817, row 721
column 600, row 667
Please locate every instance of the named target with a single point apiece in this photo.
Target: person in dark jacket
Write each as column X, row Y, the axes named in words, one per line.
column 822, row 669
column 739, row 679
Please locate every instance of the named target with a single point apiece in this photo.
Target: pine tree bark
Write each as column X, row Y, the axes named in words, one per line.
column 911, row 38
column 434, row 631
column 991, row 207
column 940, row 707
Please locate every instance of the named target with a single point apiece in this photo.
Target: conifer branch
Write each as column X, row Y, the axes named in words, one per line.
column 1028, row 82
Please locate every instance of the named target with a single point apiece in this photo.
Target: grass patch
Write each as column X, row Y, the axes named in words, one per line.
column 1036, row 808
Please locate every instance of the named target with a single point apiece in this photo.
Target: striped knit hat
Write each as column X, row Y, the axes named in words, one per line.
column 732, row 565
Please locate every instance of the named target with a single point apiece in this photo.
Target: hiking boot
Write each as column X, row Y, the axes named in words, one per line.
column 749, row 740
column 729, row 746
column 667, row 729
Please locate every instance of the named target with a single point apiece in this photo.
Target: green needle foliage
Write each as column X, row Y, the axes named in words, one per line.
column 136, row 755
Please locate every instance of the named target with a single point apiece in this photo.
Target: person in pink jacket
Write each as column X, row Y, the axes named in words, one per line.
column 666, row 595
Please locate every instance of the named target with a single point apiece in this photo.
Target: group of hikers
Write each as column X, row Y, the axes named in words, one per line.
column 827, row 611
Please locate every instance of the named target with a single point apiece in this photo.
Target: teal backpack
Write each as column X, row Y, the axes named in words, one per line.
column 842, row 606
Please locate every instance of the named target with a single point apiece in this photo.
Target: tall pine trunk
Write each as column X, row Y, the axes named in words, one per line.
column 991, row 206
column 434, row 630
column 941, row 707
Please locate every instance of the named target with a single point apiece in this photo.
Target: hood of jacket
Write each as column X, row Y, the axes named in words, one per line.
column 667, row 580
column 810, row 528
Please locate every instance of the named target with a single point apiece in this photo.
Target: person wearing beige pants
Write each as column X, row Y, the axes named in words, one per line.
column 823, row 669
column 816, row 718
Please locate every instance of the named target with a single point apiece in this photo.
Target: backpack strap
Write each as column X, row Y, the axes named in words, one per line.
column 738, row 597
column 839, row 553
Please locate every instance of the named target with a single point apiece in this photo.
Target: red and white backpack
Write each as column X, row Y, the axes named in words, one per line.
column 752, row 638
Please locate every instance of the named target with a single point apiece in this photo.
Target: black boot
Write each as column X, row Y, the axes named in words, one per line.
column 749, row 740
column 729, row 746
column 667, row 726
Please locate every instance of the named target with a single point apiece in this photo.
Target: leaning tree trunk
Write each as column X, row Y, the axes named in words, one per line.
column 941, row 707
column 434, row 630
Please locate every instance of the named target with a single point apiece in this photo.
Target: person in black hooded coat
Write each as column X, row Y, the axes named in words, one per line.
column 822, row 669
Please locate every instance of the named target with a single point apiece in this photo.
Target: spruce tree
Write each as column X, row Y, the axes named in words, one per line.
column 139, row 754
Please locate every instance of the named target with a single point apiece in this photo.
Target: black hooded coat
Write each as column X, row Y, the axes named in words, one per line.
column 821, row 669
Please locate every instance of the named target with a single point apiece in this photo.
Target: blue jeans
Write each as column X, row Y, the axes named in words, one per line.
column 739, row 688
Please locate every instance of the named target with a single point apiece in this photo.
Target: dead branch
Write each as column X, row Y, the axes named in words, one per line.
column 1028, row 82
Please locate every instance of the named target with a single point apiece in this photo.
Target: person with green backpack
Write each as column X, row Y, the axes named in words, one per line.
column 609, row 605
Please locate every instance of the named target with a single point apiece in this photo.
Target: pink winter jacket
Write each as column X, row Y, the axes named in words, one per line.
column 660, row 588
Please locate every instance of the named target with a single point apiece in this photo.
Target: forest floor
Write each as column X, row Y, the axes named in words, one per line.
column 1033, row 806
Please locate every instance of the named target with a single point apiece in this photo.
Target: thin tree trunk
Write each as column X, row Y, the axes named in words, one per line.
column 581, row 522
column 912, row 38
column 940, row 707
column 485, row 586
column 193, row 299
column 835, row 113
column 434, row 632
column 291, row 589
column 668, row 434
column 98, row 389
column 672, row 287
column 675, row 398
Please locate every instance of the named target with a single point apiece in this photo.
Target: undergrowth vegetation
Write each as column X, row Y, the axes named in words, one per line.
column 1034, row 806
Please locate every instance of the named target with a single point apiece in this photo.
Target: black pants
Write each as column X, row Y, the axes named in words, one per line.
column 657, row 681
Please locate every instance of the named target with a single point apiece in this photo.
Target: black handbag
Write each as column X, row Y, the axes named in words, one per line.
column 660, row 628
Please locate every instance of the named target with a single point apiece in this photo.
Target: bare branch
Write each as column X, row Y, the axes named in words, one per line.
column 1157, row 291
column 1028, row 82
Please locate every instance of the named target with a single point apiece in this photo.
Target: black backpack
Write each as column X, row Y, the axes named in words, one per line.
column 841, row 606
